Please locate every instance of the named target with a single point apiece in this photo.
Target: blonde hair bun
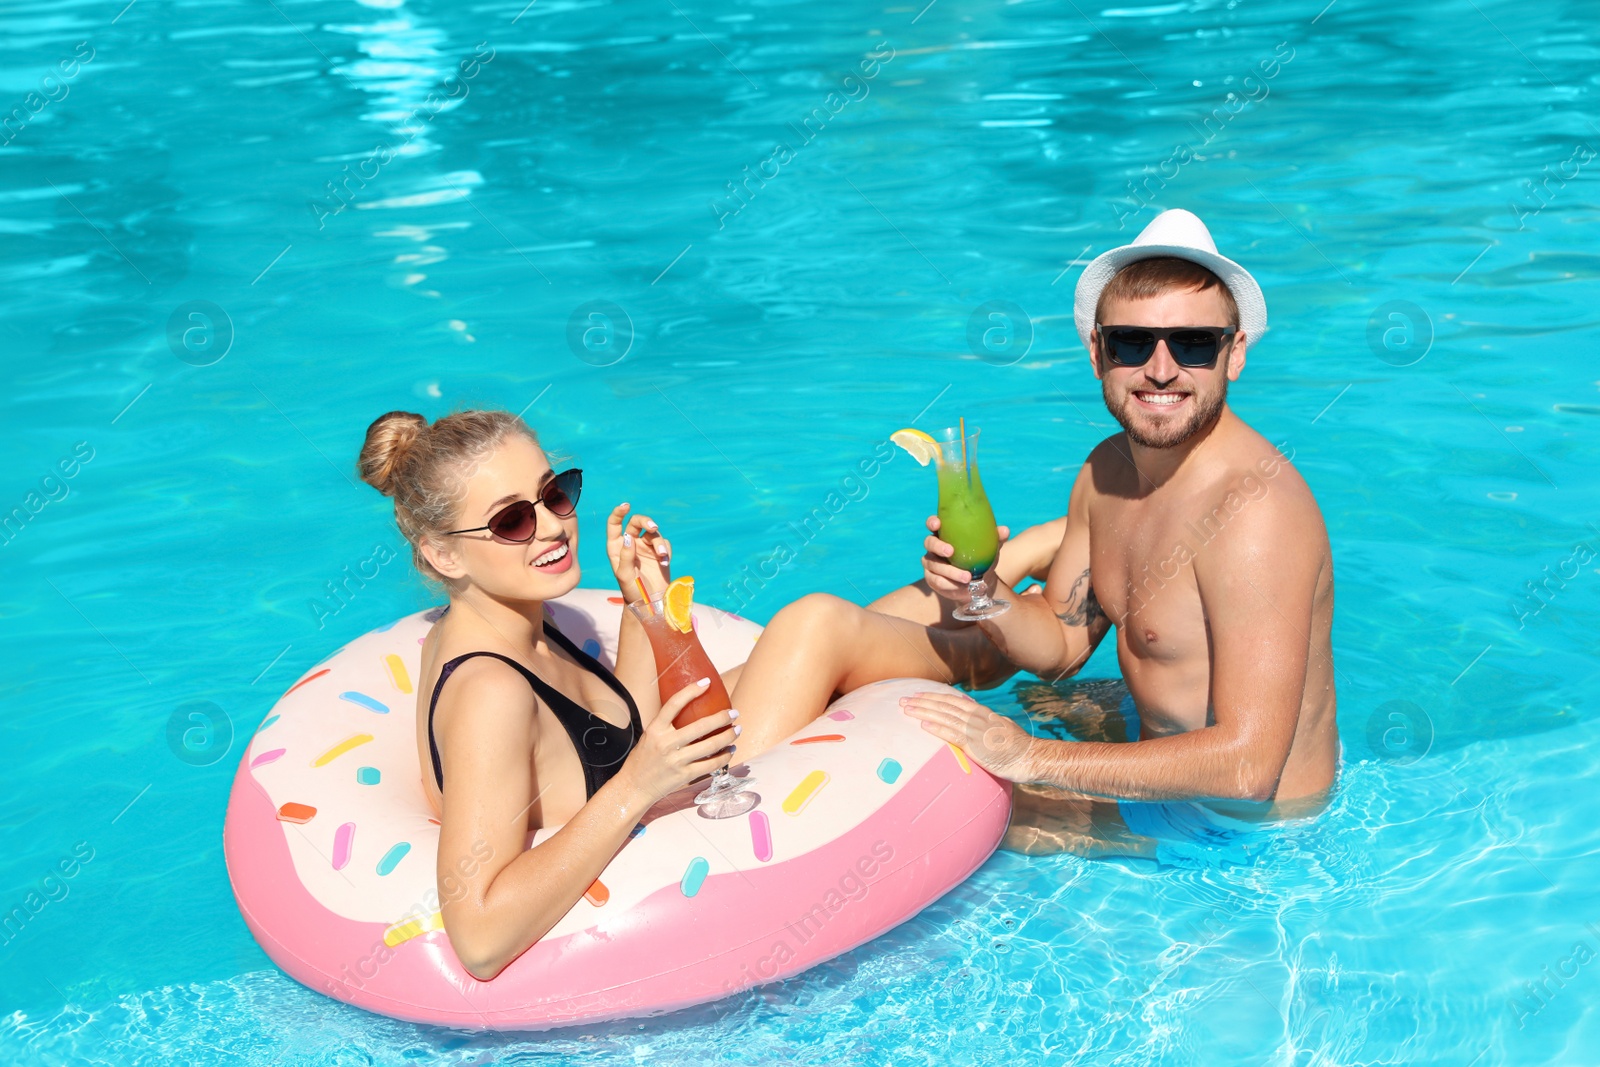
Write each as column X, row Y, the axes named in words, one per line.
column 383, row 454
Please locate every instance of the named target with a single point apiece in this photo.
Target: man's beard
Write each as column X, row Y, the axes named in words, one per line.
column 1205, row 412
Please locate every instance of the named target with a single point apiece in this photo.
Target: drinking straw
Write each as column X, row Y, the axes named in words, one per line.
column 649, row 608
column 963, row 432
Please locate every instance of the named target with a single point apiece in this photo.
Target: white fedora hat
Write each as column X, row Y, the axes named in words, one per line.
column 1177, row 233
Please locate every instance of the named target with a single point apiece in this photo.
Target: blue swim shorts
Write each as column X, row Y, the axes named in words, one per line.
column 1190, row 834
column 1187, row 833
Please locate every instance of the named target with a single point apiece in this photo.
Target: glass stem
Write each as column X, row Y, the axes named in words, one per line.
column 722, row 780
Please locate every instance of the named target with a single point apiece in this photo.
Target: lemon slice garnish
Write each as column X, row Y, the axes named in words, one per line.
column 922, row 447
column 677, row 602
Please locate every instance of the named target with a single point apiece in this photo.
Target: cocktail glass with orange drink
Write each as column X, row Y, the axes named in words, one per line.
column 681, row 661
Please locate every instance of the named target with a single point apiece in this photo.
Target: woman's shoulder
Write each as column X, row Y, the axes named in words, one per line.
column 494, row 688
column 486, row 723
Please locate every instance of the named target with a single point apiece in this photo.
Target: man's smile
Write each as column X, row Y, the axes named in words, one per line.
column 1165, row 399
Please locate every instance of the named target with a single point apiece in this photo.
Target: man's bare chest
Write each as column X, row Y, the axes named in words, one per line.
column 1142, row 570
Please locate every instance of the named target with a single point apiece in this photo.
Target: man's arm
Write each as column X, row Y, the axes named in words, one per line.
column 1054, row 635
column 1030, row 553
column 1257, row 584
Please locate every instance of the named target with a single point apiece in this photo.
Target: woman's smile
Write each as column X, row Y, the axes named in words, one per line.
column 554, row 561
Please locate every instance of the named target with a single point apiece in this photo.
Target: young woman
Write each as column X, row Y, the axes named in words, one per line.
column 518, row 729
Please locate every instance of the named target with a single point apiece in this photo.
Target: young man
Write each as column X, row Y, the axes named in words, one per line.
column 1191, row 535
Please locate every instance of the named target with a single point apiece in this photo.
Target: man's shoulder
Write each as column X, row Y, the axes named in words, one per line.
column 1250, row 461
column 1263, row 498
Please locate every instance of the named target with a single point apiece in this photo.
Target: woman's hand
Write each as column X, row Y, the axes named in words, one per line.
column 638, row 554
column 666, row 759
column 942, row 576
column 994, row 742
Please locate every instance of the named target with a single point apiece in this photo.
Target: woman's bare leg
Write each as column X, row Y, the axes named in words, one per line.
column 820, row 646
column 974, row 660
column 917, row 603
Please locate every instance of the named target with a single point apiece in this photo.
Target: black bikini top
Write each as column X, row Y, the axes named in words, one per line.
column 601, row 746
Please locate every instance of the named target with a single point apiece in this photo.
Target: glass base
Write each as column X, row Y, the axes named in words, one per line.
column 979, row 606
column 726, row 797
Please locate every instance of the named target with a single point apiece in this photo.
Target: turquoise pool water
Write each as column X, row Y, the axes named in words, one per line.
column 418, row 205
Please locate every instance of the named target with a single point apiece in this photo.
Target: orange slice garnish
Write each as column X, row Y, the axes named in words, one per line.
column 677, row 602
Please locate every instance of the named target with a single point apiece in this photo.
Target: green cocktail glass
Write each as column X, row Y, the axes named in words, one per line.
column 966, row 521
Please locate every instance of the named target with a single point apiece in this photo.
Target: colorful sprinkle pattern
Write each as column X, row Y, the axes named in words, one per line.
column 803, row 793
column 392, row 858
column 308, row 678
column 961, row 758
column 406, row 929
column 761, row 836
column 695, row 876
column 353, row 741
column 367, row 702
column 397, row 672
column 343, row 840
column 296, row 813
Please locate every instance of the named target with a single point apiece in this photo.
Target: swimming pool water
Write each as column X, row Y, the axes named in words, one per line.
column 404, row 204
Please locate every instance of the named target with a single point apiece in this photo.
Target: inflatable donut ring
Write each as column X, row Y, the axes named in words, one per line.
column 331, row 847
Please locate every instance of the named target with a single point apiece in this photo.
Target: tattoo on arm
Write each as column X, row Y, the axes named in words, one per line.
column 1082, row 608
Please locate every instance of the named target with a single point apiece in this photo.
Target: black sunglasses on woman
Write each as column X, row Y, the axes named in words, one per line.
column 518, row 522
